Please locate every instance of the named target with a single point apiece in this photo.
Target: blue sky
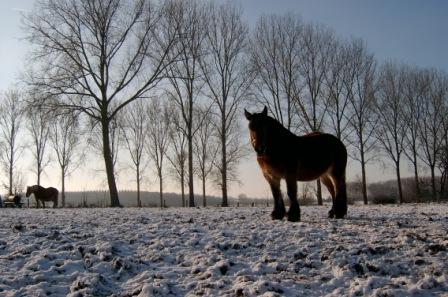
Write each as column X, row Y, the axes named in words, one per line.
column 411, row 31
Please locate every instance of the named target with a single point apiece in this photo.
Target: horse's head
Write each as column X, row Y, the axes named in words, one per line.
column 258, row 128
column 28, row 191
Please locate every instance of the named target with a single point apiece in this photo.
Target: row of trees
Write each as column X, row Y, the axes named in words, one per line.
column 98, row 57
column 169, row 79
column 43, row 130
column 314, row 81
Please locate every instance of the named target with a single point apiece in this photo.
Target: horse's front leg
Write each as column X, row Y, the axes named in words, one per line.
column 294, row 208
column 37, row 203
column 279, row 207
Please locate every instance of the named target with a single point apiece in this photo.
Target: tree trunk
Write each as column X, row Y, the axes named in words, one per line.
column 400, row 190
column 63, row 186
column 190, row 168
column 364, row 183
column 113, row 192
column 38, row 173
column 161, row 188
column 319, row 193
column 364, row 179
column 225, row 202
column 11, row 168
column 433, row 183
column 204, row 203
column 139, row 201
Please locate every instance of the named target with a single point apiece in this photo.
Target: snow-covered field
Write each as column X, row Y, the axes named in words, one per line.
column 376, row 251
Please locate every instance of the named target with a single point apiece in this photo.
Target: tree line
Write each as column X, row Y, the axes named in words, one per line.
column 167, row 81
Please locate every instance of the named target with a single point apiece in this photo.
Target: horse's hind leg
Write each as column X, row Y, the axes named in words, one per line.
column 340, row 201
column 43, row 204
column 279, row 207
column 294, row 208
column 328, row 182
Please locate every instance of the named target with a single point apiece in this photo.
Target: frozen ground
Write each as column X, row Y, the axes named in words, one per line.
column 377, row 251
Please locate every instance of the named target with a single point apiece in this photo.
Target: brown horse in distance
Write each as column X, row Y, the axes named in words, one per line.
column 283, row 155
column 43, row 194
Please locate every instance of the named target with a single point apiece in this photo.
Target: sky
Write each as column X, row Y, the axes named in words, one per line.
column 408, row 31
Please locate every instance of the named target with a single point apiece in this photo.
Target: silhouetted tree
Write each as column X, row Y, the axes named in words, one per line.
column 11, row 117
column 391, row 132
column 158, row 129
column 65, row 138
column 96, row 57
column 227, row 81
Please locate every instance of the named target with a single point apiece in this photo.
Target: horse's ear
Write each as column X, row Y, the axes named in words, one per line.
column 247, row 114
column 265, row 111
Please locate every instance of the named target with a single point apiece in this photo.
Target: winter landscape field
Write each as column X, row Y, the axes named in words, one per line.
column 376, row 251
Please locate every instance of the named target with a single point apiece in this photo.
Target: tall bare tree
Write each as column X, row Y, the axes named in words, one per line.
column 97, row 56
column 11, row 117
column 275, row 56
column 414, row 88
column 225, row 72
column 184, row 74
column 158, row 129
column 391, row 132
column 65, row 138
column 205, row 148
column 431, row 122
column 39, row 130
column 135, row 122
column 178, row 155
column 338, row 75
column 360, row 90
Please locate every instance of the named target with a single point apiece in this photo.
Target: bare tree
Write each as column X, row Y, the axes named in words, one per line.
column 184, row 74
column 11, row 116
column 414, row 89
column 391, row 132
column 158, row 130
column 65, row 138
column 98, row 56
column 360, row 90
column 224, row 69
column 338, row 75
column 134, row 131
column 275, row 56
column 431, row 121
column 39, row 129
column 205, row 148
column 317, row 45
column 177, row 156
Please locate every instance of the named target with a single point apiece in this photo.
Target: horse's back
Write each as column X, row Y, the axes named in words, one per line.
column 52, row 191
column 316, row 153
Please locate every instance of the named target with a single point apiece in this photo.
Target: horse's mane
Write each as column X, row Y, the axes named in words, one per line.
column 36, row 188
column 275, row 124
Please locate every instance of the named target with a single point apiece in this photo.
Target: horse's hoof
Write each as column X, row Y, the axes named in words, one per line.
column 340, row 212
column 277, row 215
column 340, row 216
column 294, row 217
column 331, row 213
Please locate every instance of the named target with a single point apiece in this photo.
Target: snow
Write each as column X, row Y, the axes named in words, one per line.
column 376, row 251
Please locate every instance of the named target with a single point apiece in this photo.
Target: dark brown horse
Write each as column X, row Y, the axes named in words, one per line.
column 283, row 155
column 43, row 194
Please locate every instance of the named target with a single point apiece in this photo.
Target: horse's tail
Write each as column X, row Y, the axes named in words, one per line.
column 55, row 199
